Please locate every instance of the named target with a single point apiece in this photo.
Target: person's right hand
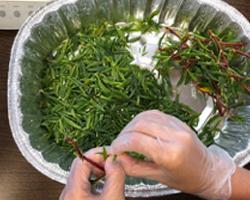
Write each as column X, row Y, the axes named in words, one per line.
column 179, row 159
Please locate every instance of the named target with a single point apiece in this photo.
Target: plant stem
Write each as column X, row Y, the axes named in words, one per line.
column 81, row 155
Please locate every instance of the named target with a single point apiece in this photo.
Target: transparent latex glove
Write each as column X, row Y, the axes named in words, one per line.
column 78, row 186
column 178, row 158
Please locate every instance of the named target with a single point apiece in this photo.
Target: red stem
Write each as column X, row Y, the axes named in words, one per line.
column 206, row 41
column 246, row 87
column 163, row 49
column 219, row 103
column 238, row 78
column 81, row 155
column 235, row 76
column 232, row 44
column 175, row 57
column 217, row 41
column 222, row 108
column 241, row 52
column 184, row 44
column 172, row 31
column 189, row 63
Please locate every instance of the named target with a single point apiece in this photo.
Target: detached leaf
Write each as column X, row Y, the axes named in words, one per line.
column 104, row 153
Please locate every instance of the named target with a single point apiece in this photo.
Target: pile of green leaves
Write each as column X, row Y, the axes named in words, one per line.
column 91, row 90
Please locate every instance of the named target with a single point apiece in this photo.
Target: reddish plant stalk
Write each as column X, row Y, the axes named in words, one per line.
column 81, row 155
column 172, row 31
column 219, row 103
column 206, row 41
column 232, row 44
column 163, row 49
column 184, row 44
column 246, row 87
column 235, row 76
column 222, row 108
column 224, row 63
column 189, row 62
column 175, row 57
column 241, row 52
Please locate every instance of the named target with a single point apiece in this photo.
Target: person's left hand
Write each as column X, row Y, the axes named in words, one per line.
column 78, row 186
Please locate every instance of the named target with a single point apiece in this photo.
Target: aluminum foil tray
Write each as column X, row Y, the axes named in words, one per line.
column 48, row 26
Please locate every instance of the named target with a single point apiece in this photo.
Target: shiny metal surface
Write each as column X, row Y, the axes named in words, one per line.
column 51, row 24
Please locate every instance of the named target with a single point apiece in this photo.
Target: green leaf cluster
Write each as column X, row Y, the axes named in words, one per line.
column 90, row 89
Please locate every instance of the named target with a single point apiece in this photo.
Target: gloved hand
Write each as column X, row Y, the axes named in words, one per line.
column 179, row 159
column 78, row 186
